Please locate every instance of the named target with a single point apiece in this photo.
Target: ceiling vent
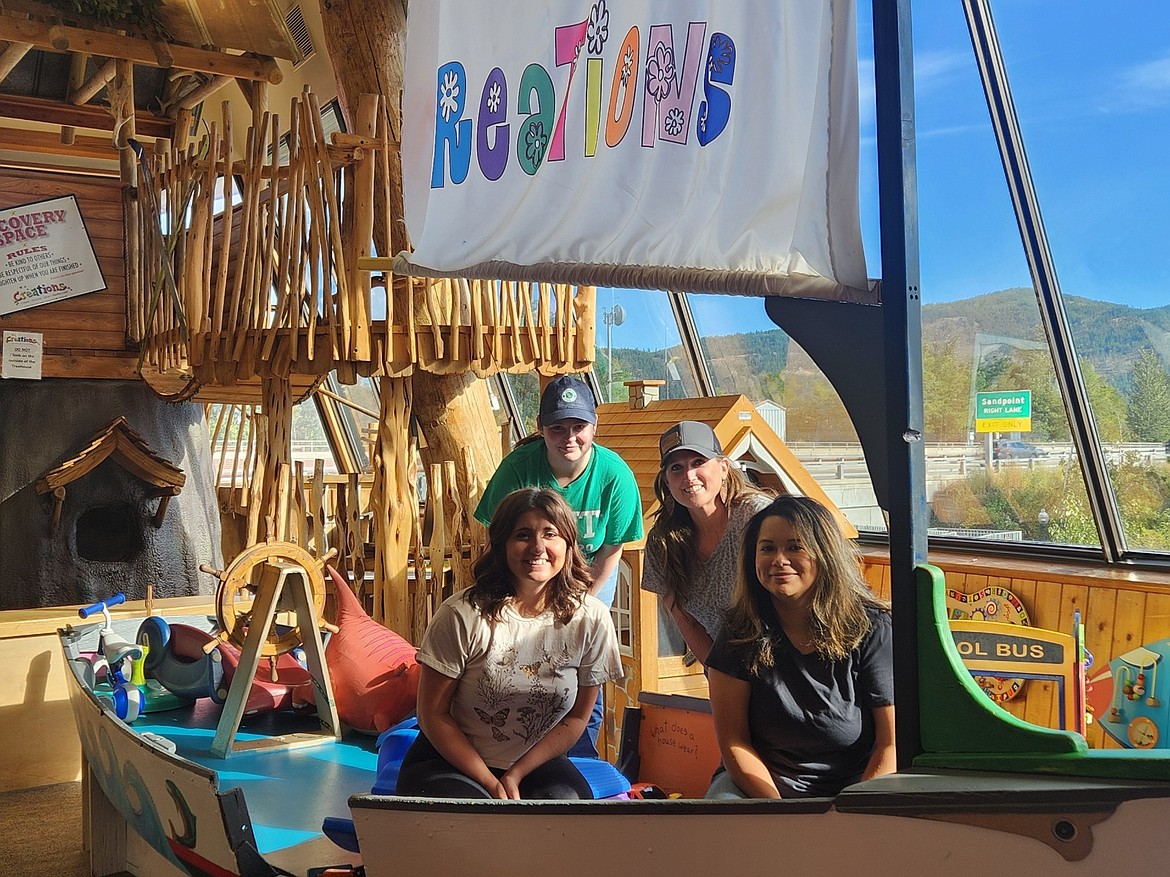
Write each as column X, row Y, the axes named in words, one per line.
column 295, row 20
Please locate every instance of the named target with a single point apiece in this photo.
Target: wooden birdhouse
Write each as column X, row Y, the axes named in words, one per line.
column 117, row 442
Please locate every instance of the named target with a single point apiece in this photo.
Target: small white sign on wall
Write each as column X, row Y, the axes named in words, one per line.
column 22, row 355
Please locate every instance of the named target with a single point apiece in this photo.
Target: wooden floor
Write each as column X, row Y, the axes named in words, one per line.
column 42, row 832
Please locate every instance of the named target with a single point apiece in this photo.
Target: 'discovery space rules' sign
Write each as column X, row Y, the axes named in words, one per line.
column 45, row 255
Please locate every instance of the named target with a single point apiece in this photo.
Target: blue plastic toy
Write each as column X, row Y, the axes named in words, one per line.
column 117, row 693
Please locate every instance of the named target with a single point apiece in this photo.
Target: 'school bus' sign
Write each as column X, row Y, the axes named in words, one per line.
column 1003, row 411
column 45, row 255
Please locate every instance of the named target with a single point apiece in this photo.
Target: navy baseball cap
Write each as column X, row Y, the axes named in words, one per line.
column 689, row 435
column 564, row 397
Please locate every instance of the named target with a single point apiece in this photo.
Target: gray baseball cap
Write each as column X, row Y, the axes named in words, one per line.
column 689, row 435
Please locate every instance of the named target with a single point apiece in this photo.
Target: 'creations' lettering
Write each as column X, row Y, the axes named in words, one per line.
column 667, row 88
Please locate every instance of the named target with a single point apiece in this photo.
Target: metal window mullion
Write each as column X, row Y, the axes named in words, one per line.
column 508, row 403
column 993, row 74
column 339, row 428
column 901, row 322
column 688, row 333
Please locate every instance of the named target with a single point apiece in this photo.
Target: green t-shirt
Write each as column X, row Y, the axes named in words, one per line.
column 604, row 497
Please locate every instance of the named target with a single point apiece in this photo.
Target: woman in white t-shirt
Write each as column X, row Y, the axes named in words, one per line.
column 704, row 504
column 511, row 667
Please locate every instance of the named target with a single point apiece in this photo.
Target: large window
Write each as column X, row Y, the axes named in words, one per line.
column 638, row 339
column 748, row 355
column 1092, row 112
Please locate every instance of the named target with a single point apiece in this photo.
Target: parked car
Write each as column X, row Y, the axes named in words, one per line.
column 1012, row 450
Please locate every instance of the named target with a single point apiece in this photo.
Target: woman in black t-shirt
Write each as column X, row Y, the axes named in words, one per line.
column 801, row 675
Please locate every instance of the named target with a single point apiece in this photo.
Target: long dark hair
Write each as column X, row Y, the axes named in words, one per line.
column 493, row 580
column 838, row 616
column 671, row 540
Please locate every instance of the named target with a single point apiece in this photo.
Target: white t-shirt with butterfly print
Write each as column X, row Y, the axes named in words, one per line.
column 517, row 676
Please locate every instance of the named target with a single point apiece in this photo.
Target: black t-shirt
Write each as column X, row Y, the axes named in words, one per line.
column 811, row 720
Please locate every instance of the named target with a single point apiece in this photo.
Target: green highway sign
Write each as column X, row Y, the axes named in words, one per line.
column 1003, row 411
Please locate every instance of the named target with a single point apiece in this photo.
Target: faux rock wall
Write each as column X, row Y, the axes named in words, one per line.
column 44, row 423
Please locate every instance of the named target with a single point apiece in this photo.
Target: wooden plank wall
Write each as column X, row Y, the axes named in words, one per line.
column 1119, row 614
column 84, row 336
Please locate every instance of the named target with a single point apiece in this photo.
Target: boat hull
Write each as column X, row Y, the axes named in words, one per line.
column 671, row 838
column 158, row 805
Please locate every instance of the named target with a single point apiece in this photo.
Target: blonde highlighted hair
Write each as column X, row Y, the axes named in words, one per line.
column 671, row 540
column 838, row 615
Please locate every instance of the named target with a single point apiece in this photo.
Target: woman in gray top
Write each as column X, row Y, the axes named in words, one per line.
column 705, row 503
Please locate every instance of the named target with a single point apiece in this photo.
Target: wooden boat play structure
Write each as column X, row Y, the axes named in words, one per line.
column 1043, row 797
column 249, row 302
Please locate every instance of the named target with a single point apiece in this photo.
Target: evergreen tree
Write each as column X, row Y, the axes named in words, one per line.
column 771, row 387
column 1149, row 399
column 946, row 395
column 815, row 412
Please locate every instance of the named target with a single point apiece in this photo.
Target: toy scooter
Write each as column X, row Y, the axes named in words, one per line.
column 117, row 692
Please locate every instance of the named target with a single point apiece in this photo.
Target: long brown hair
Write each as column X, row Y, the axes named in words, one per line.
column 493, row 580
column 671, row 540
column 838, row 617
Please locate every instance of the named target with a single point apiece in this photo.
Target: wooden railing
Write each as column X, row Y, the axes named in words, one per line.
column 332, row 513
column 266, row 282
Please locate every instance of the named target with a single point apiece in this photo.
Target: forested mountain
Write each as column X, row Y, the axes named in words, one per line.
column 738, row 362
column 1110, row 336
column 992, row 341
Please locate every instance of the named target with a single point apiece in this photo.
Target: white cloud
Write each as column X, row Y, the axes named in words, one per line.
column 934, row 68
column 865, row 93
column 932, row 72
column 1143, row 86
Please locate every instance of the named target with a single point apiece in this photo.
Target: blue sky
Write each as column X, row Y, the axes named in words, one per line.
column 1091, row 84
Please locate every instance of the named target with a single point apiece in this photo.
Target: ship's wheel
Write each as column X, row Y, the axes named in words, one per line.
column 259, row 567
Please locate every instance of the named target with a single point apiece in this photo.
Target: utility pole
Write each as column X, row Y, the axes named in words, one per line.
column 613, row 316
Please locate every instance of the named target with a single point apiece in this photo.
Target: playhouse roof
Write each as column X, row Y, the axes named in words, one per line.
column 128, row 449
column 743, row 433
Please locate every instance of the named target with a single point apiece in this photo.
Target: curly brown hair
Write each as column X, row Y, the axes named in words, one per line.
column 493, row 584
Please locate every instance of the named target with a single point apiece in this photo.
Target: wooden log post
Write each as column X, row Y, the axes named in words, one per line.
column 454, row 413
column 254, row 478
column 121, row 93
column 367, row 43
column 429, row 577
column 362, row 230
column 277, row 401
column 394, row 507
column 455, row 523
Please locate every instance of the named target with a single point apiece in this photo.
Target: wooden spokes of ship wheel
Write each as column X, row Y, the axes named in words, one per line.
column 259, row 567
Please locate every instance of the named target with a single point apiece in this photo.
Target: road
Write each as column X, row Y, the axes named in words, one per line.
column 946, row 462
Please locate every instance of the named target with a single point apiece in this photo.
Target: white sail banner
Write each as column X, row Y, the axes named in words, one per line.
column 691, row 145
